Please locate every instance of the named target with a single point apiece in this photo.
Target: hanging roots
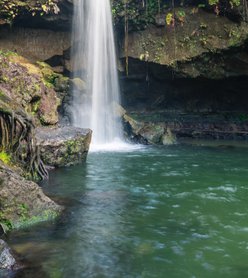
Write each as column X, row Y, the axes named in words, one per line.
column 17, row 137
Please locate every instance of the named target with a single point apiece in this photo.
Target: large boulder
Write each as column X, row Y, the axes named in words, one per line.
column 63, row 146
column 22, row 202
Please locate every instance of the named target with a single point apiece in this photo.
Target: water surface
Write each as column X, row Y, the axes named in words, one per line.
column 178, row 211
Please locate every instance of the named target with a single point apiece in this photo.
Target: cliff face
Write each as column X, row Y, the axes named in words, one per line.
column 204, row 45
column 189, row 74
column 199, row 53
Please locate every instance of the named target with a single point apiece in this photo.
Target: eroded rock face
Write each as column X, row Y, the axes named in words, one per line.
column 63, row 146
column 7, row 260
column 22, row 202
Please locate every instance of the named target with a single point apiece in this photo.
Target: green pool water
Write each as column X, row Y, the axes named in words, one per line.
column 179, row 211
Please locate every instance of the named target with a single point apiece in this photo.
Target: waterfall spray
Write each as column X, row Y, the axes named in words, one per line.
column 95, row 62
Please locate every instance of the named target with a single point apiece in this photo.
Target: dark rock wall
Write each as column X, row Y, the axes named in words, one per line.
column 145, row 89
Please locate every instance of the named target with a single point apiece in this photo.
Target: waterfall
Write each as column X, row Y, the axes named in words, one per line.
column 95, row 62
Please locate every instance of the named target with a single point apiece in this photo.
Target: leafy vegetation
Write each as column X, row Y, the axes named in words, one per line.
column 141, row 13
column 9, row 10
column 5, row 157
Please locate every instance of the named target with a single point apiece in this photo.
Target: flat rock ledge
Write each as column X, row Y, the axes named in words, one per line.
column 63, row 146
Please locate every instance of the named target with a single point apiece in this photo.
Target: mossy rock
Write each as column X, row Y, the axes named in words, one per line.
column 63, row 146
column 26, row 86
column 22, row 202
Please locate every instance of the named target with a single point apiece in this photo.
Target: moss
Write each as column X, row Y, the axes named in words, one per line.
column 31, row 68
column 73, row 146
column 5, row 223
column 26, row 221
column 49, row 76
column 35, row 107
column 7, row 53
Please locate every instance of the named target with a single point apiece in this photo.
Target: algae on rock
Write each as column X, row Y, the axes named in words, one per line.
column 22, row 202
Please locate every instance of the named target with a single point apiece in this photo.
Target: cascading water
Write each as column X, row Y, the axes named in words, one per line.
column 94, row 51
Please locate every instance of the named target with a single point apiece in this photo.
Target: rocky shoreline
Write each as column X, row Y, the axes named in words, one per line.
column 31, row 143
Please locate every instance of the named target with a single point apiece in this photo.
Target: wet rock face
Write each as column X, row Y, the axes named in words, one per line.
column 7, row 260
column 63, row 146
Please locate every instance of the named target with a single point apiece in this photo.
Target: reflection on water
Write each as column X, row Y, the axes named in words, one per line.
column 176, row 211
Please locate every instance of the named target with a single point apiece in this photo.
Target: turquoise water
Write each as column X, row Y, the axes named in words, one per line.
column 178, row 211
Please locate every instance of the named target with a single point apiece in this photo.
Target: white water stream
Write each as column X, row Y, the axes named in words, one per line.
column 94, row 52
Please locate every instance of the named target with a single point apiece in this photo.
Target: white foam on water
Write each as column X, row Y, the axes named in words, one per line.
column 116, row 146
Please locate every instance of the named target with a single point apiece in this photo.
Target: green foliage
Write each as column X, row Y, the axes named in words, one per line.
column 9, row 10
column 5, row 223
column 234, row 3
column 23, row 211
column 141, row 13
column 213, row 2
column 169, row 18
column 5, row 157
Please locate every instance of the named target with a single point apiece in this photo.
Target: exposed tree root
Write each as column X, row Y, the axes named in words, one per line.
column 17, row 137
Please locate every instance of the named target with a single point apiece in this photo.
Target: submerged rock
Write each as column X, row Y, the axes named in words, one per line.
column 63, row 146
column 22, row 202
column 7, row 260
